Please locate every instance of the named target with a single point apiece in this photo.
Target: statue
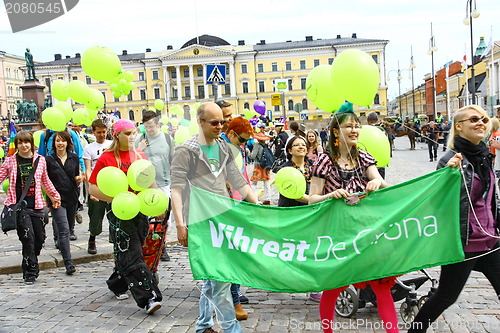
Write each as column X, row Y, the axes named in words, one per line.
column 32, row 112
column 30, row 64
column 48, row 103
column 20, row 111
column 24, row 111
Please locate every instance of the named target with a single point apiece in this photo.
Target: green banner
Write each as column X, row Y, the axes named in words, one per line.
column 327, row 245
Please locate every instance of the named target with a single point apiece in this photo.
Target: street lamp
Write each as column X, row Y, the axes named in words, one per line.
column 412, row 67
column 399, row 78
column 469, row 15
column 432, row 49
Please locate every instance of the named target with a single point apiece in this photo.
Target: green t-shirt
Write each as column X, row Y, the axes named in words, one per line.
column 213, row 155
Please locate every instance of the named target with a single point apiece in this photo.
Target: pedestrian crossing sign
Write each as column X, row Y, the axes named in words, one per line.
column 216, row 74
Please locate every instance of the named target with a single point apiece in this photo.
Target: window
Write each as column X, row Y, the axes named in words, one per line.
column 130, row 97
column 131, row 115
column 186, row 72
column 74, row 78
column 10, row 91
column 141, row 77
column 88, row 80
column 174, row 74
column 276, row 108
column 16, row 73
column 227, row 89
column 18, row 92
column 375, row 58
column 245, row 87
column 260, row 68
column 187, row 91
column 244, row 68
column 274, row 66
column 376, row 100
column 8, row 72
column 304, row 104
column 302, row 64
column 262, row 87
column 290, row 84
column 143, row 94
column 303, row 83
column 316, row 62
column 47, row 82
column 330, row 61
column 117, row 99
column 246, row 105
column 288, row 65
column 157, row 93
column 155, row 75
column 290, row 105
column 199, row 71
column 201, row 91
column 174, row 93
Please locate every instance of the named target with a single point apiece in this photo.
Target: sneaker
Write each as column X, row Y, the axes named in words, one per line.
column 72, row 236
column 241, row 314
column 315, row 297
column 266, row 203
column 165, row 256
column 121, row 296
column 70, row 270
column 92, row 249
column 152, row 307
column 210, row 330
column 79, row 218
column 30, row 280
column 243, row 298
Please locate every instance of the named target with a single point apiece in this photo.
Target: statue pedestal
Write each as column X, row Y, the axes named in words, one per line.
column 33, row 90
column 30, row 126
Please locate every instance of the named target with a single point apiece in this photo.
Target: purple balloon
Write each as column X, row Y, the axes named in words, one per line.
column 260, row 107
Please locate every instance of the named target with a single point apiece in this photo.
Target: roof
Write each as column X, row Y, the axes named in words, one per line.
column 76, row 61
column 315, row 43
column 206, row 40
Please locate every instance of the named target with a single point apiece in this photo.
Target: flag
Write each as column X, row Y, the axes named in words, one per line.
column 13, row 132
column 330, row 244
column 489, row 47
column 464, row 62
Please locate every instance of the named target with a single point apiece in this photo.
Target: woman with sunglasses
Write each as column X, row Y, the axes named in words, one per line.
column 344, row 170
column 478, row 214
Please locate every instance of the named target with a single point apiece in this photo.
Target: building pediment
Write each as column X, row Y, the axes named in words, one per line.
column 196, row 50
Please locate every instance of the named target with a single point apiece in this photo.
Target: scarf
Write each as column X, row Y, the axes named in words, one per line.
column 480, row 158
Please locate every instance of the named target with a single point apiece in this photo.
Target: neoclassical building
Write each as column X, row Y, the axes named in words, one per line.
column 179, row 76
column 11, row 80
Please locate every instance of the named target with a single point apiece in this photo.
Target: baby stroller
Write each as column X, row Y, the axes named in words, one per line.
column 352, row 299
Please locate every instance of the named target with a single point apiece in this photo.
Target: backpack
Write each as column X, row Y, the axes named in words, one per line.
column 267, row 159
column 169, row 143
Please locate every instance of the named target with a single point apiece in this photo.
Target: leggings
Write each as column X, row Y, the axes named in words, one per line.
column 385, row 305
column 452, row 281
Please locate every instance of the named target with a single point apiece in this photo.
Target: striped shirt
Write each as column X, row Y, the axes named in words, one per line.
column 353, row 180
column 9, row 170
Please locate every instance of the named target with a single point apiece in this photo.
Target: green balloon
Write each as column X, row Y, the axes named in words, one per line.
column 54, row 119
column 2, row 152
column 111, row 181
column 185, row 122
column 95, row 100
column 141, row 128
column 78, row 91
column 154, row 202
column 164, row 128
column 248, row 114
column 126, row 205
column 177, row 110
column 159, row 105
column 129, row 76
column 355, row 75
column 5, row 185
column 291, row 183
column 81, row 116
column 320, row 89
column 174, row 121
column 373, row 140
column 193, row 127
column 141, row 174
column 36, row 137
column 100, row 63
column 181, row 135
column 59, row 90
column 66, row 109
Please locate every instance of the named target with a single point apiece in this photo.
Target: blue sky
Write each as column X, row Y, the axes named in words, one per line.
column 137, row 25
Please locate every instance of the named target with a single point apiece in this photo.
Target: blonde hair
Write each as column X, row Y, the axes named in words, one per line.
column 315, row 144
column 460, row 115
column 495, row 124
column 115, row 148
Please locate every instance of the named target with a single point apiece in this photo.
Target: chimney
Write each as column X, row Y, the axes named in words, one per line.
column 124, row 52
column 77, row 55
column 288, row 41
column 338, row 36
column 354, row 35
column 169, row 47
column 148, row 50
column 241, row 42
column 262, row 42
column 309, row 38
column 67, row 57
column 57, row 56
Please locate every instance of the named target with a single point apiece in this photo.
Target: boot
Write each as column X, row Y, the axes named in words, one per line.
column 92, row 248
column 241, row 314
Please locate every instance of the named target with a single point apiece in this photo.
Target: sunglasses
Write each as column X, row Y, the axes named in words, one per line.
column 475, row 119
column 215, row 122
column 240, row 139
column 220, row 102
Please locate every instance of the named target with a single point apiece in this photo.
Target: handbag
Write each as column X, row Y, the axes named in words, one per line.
column 11, row 213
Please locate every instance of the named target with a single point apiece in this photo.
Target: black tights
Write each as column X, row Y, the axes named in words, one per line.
column 452, row 281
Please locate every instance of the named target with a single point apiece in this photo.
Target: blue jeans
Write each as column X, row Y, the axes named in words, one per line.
column 235, row 293
column 61, row 229
column 216, row 295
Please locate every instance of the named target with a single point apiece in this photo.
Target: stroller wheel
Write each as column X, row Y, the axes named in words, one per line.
column 422, row 300
column 347, row 303
column 407, row 312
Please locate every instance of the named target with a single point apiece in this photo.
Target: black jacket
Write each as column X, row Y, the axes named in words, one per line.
column 63, row 177
column 279, row 144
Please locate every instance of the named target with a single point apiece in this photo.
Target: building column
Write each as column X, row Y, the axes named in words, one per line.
column 166, row 81
column 207, row 93
column 191, row 83
column 180, row 93
column 232, row 78
column 382, row 69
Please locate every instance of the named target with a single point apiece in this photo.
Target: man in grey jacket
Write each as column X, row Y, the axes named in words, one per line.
column 205, row 161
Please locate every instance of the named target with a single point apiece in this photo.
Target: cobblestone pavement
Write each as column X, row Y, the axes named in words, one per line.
column 82, row 302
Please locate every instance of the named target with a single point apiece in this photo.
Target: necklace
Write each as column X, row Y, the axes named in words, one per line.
column 62, row 156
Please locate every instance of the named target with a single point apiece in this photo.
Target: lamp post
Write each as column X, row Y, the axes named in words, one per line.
column 469, row 15
column 399, row 78
column 432, row 49
column 412, row 67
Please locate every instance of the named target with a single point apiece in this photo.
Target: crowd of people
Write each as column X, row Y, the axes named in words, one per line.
column 219, row 159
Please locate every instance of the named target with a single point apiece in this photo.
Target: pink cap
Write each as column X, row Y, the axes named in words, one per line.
column 122, row 124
